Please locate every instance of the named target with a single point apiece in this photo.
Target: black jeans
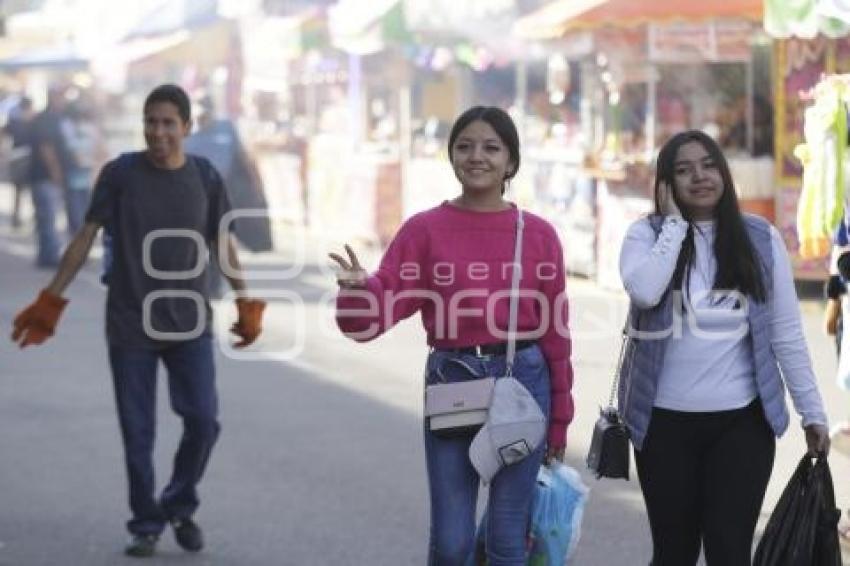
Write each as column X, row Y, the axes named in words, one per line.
column 703, row 477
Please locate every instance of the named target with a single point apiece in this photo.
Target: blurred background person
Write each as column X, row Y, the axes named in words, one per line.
column 835, row 288
column 218, row 140
column 19, row 130
column 82, row 140
column 52, row 159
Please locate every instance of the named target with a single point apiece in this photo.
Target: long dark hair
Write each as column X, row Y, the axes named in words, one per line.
column 501, row 123
column 738, row 264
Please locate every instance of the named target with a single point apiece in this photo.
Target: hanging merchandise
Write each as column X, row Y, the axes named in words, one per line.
column 806, row 18
column 557, row 78
column 821, row 204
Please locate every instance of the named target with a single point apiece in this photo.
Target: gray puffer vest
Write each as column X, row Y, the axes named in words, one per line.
column 644, row 355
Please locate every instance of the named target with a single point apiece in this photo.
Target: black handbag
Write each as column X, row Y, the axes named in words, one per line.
column 608, row 456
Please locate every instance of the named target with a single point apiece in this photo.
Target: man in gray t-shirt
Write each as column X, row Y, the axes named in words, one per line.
column 163, row 210
column 135, row 201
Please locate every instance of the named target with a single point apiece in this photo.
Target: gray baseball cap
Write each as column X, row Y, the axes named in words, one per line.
column 515, row 427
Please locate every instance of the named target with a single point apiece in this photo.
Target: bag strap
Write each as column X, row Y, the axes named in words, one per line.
column 618, row 369
column 514, row 308
column 205, row 172
column 655, row 222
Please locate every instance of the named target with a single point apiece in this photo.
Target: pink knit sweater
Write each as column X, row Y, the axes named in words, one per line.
column 454, row 267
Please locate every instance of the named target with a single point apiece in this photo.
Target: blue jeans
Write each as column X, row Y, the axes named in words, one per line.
column 191, row 385
column 77, row 196
column 46, row 199
column 453, row 481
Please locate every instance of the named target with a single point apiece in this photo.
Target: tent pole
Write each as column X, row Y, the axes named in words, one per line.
column 521, row 93
column 750, row 112
column 651, row 109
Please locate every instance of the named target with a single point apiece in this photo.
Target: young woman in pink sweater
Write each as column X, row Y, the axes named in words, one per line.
column 453, row 265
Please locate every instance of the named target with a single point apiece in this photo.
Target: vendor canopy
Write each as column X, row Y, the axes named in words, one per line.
column 361, row 26
column 58, row 56
column 807, row 18
column 557, row 18
column 175, row 15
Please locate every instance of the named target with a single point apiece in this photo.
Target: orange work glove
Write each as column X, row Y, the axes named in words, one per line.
column 36, row 323
column 250, row 322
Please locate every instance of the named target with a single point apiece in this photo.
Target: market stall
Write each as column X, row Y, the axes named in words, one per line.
column 380, row 98
column 810, row 41
column 648, row 70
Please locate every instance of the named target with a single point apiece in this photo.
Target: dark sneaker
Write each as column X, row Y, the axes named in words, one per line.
column 141, row 546
column 188, row 534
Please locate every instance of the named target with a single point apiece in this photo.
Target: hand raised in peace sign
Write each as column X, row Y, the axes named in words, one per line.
column 351, row 274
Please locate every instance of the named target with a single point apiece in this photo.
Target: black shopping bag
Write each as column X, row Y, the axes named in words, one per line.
column 803, row 528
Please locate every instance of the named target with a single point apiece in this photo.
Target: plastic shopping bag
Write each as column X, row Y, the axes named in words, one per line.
column 803, row 528
column 556, row 514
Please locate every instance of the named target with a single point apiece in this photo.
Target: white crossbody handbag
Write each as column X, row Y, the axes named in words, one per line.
column 461, row 407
